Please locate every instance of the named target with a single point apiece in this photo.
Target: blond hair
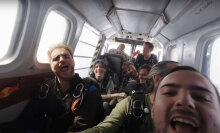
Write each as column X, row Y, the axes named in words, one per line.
column 58, row 46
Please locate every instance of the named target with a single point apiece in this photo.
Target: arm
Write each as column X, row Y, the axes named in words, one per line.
column 129, row 87
column 111, row 94
column 112, row 122
column 110, row 89
column 114, row 95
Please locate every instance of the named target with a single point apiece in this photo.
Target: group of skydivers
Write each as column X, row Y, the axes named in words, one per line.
column 162, row 97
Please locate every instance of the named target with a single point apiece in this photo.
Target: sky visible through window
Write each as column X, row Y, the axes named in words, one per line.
column 54, row 32
column 8, row 13
column 215, row 64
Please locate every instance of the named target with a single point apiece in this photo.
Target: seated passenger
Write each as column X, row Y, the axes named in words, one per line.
column 120, row 51
column 113, row 71
column 143, row 72
column 142, row 76
column 62, row 104
column 130, row 74
column 105, row 82
column 146, row 57
column 106, row 85
column 186, row 102
column 119, row 118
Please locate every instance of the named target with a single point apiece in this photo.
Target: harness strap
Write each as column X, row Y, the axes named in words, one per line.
column 44, row 90
column 75, row 103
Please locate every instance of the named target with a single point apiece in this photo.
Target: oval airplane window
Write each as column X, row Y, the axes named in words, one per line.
column 8, row 14
column 54, row 32
column 215, row 64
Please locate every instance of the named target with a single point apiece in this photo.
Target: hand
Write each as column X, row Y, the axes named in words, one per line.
column 122, row 94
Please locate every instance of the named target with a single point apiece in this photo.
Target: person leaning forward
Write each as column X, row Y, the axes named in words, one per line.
column 186, row 102
column 66, row 103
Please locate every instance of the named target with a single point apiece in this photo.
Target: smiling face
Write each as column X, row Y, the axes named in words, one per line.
column 143, row 75
column 186, row 102
column 131, row 71
column 99, row 70
column 62, row 64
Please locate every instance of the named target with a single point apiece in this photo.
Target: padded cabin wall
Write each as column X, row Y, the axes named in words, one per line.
column 186, row 16
column 191, row 45
column 16, row 91
column 173, row 51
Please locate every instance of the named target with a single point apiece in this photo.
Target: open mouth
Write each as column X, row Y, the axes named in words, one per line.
column 99, row 72
column 64, row 68
column 182, row 125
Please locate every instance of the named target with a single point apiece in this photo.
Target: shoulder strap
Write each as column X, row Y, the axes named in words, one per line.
column 89, row 82
column 88, row 85
column 44, row 90
column 46, row 87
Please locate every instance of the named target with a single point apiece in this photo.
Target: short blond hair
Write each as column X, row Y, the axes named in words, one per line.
column 58, row 46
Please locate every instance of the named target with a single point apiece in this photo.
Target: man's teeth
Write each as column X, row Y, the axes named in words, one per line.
column 185, row 121
column 63, row 68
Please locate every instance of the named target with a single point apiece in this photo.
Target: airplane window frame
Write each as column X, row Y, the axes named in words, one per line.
column 14, row 35
column 207, row 61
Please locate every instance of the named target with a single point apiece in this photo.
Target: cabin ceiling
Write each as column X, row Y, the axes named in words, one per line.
column 163, row 19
